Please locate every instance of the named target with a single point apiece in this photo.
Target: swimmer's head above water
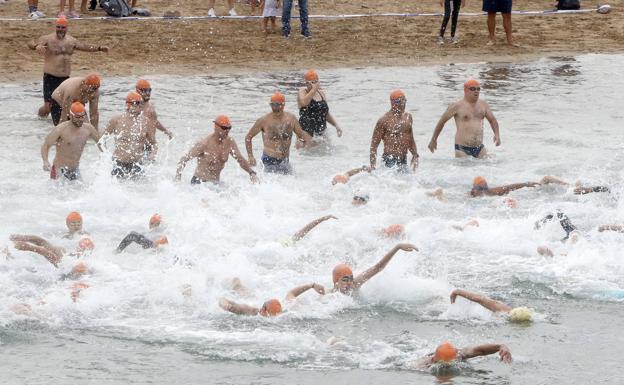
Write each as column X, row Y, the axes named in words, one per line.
column 271, row 308
column 222, row 126
column 61, row 26
column 77, row 114
column 134, row 103
column 155, row 221
column 445, row 352
column 521, row 315
column 340, row 179
column 472, row 88
column 360, row 198
column 394, row 231
column 74, row 222
column 278, row 101
column 342, row 276
column 310, row 78
column 91, row 83
column 479, row 186
column 398, row 101
column 85, row 244
column 144, row 88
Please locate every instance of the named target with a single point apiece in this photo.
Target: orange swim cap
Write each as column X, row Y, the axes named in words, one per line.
column 155, row 220
column 133, row 97
column 396, row 94
column 80, row 286
column 471, row 83
column 271, row 308
column 340, row 178
column 161, row 241
column 79, row 268
column 278, row 97
column 92, row 80
column 340, row 271
column 394, row 231
column 479, row 181
column 86, row 244
column 311, row 76
column 73, row 217
column 77, row 108
column 223, row 121
column 143, row 84
column 62, row 22
column 446, row 352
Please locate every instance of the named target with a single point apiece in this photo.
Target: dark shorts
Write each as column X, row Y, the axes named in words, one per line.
column 277, row 166
column 472, row 151
column 69, row 174
column 51, row 83
column 56, row 110
column 502, row 6
column 124, row 170
column 395, row 161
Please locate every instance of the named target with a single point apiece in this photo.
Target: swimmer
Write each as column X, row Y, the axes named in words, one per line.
column 394, row 128
column 518, row 314
column 578, row 189
column 132, row 136
column 481, row 188
column 469, row 113
column 470, row 223
column 437, row 194
column 50, row 252
column 144, row 88
column 572, row 234
column 346, row 283
column 76, row 89
column 212, row 152
column 360, row 198
column 313, row 108
column 272, row 307
column 74, row 225
column 344, row 178
column 447, row 354
column 57, row 49
column 393, row 231
column 277, row 129
column 69, row 138
column 155, row 239
column 305, row 230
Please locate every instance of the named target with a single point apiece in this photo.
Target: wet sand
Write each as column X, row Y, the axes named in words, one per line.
column 228, row 46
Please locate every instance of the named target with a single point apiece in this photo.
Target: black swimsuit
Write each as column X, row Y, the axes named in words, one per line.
column 313, row 117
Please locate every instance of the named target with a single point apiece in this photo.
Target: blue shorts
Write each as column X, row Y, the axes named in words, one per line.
column 502, row 6
column 277, row 166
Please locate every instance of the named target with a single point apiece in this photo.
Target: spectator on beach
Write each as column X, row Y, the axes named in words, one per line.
column 271, row 9
column 504, row 7
column 450, row 7
column 33, row 12
column 303, row 14
column 568, row 5
column 211, row 11
column 72, row 14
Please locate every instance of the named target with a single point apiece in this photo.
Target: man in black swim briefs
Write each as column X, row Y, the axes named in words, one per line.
column 469, row 113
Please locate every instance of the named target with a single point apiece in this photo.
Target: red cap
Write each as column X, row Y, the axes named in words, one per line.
column 278, row 97
column 92, row 80
column 143, row 84
column 223, row 121
column 311, row 75
column 340, row 271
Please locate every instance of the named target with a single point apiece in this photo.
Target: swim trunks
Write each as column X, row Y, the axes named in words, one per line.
column 472, row 151
column 395, row 161
column 277, row 166
column 124, row 170
column 64, row 171
column 51, row 83
column 502, row 6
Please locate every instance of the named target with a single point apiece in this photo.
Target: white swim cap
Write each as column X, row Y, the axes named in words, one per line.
column 521, row 314
column 604, row 9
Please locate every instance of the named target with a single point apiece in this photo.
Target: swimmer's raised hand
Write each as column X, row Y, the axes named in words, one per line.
column 505, row 354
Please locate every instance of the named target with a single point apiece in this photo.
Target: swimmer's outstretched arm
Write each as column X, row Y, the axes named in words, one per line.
column 618, row 228
column 297, row 291
column 358, row 170
column 379, row 266
column 194, row 152
column 482, row 300
column 504, row 190
column 485, row 350
column 586, row 190
column 133, row 236
column 39, row 246
column 237, row 308
column 306, row 229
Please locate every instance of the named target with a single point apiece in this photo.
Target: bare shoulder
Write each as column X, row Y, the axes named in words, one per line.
column 291, row 116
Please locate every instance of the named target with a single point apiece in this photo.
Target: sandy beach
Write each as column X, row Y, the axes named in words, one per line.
column 218, row 46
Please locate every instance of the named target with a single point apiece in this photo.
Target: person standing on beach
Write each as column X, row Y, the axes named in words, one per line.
column 469, row 113
column 277, row 129
column 303, row 16
column 144, row 88
column 212, row 152
column 211, row 11
column 57, row 49
column 504, row 7
column 132, row 137
column 76, row 89
column 395, row 130
column 450, row 6
column 313, row 109
column 69, row 138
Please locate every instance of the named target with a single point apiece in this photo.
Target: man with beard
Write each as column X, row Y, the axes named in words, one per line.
column 57, row 49
column 395, row 129
column 212, row 152
column 69, row 138
column 132, row 137
column 277, row 129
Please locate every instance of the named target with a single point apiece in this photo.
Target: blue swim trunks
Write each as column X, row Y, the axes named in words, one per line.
column 502, row 6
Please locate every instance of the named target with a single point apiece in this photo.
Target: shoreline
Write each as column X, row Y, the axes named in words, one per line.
column 197, row 47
